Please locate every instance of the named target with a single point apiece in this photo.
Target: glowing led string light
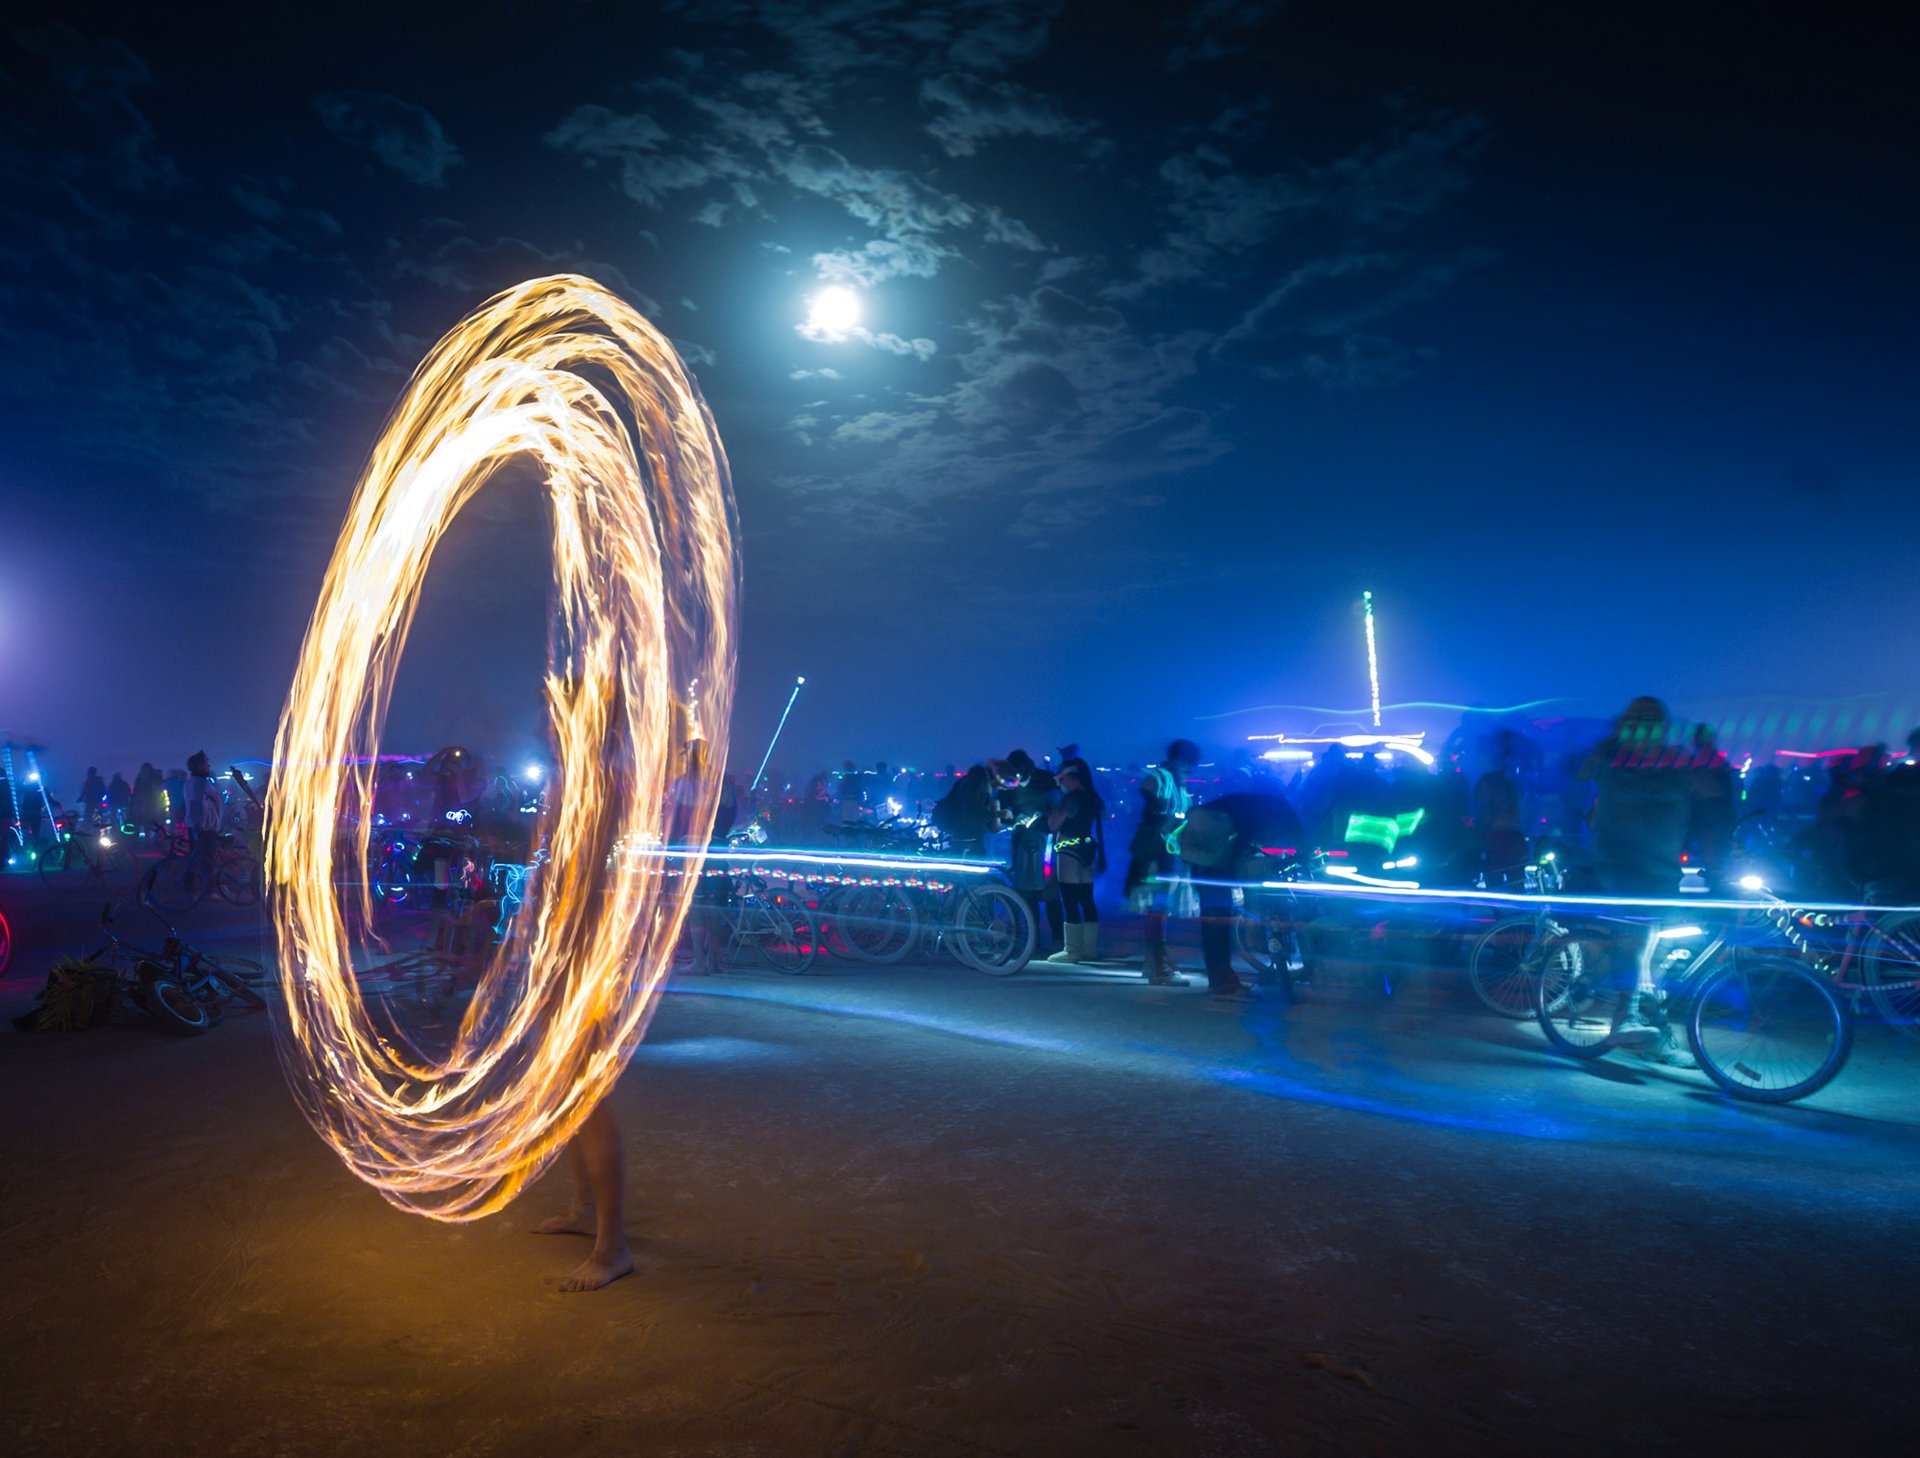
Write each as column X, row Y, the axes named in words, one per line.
column 1373, row 658
column 560, row 371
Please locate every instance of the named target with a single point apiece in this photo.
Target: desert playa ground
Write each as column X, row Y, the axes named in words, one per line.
column 917, row 1211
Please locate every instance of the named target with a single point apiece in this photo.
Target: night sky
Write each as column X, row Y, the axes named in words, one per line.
column 1582, row 336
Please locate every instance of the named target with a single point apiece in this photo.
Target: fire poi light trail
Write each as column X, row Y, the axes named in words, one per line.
column 562, row 372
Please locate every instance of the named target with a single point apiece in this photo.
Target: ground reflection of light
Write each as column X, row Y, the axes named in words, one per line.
column 1272, row 1070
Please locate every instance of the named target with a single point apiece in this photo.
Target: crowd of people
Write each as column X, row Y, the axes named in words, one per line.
column 1652, row 799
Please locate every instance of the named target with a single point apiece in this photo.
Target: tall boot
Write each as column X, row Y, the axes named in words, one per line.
column 1071, row 951
column 1089, row 948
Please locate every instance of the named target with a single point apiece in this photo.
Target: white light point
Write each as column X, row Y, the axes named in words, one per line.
column 833, row 313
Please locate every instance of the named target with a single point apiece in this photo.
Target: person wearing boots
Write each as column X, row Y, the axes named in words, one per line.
column 1079, row 856
column 1163, row 808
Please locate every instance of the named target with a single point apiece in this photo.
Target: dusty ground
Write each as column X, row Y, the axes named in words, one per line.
column 918, row 1211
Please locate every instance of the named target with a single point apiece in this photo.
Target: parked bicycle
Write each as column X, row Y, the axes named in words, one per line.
column 80, row 855
column 221, row 866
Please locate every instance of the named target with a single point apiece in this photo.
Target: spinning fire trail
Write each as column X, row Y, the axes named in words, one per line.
column 560, row 371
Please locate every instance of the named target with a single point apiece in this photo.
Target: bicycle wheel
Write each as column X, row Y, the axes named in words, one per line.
column 1890, row 968
column 65, row 866
column 1769, row 1030
column 177, row 883
column 782, row 930
column 877, row 923
column 169, row 1003
column 1578, row 1010
column 236, row 880
column 1508, row 960
column 993, row 930
column 233, row 977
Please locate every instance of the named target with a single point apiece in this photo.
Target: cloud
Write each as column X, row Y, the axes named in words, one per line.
column 1213, row 30
column 103, row 129
column 913, row 255
column 1058, row 409
column 839, row 38
column 403, row 136
column 1320, row 321
column 974, row 111
column 922, row 349
column 1218, row 212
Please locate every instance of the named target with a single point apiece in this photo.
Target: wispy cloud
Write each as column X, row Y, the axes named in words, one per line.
column 404, row 136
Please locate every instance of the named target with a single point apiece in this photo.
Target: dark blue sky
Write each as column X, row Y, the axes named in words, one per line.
column 1584, row 339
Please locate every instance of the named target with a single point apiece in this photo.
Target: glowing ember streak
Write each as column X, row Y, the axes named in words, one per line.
column 560, row 371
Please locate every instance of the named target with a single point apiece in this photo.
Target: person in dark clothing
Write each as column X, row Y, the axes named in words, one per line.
column 1496, row 816
column 966, row 812
column 1227, row 840
column 1642, row 808
column 1714, row 811
column 93, row 794
column 1029, row 797
column 1079, row 855
column 1164, row 802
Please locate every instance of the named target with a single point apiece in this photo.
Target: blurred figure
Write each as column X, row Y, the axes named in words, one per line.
column 203, row 805
column 1496, row 818
column 119, row 799
column 965, row 814
column 1714, row 810
column 1228, row 840
column 1029, row 794
column 1151, row 865
column 1079, row 856
column 1642, row 808
column 93, row 795
column 149, row 799
column 1890, row 831
column 847, row 793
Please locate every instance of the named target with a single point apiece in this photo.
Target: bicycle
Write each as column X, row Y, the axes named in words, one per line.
column 774, row 924
column 216, row 866
column 80, row 856
column 1762, row 1026
column 182, row 989
column 985, row 925
column 1884, row 947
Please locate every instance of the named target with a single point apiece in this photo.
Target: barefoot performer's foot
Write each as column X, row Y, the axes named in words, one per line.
column 599, row 1204
column 597, row 1270
column 578, row 1221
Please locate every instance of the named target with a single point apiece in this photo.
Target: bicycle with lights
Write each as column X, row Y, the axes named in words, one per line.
column 1761, row 1021
column 82, row 855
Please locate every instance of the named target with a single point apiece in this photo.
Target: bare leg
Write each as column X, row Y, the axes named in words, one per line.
column 598, row 1146
column 579, row 1218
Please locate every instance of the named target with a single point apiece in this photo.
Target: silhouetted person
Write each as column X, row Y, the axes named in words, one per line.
column 1224, row 841
column 1152, row 864
column 1079, row 855
column 1642, row 808
column 93, row 794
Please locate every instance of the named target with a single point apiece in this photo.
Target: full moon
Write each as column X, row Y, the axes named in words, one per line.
column 833, row 312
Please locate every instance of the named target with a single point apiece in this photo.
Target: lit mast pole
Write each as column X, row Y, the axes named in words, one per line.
column 1373, row 658
column 776, row 735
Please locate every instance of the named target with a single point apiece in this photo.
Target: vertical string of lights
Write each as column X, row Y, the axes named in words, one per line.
column 13, row 795
column 1373, row 657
